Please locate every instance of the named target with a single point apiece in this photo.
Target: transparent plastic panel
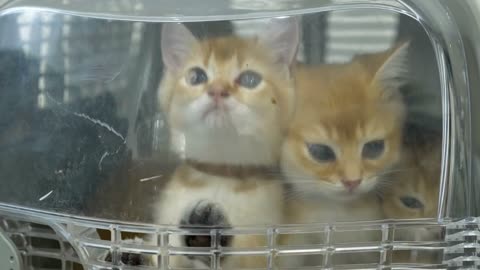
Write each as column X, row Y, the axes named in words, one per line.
column 89, row 131
column 273, row 135
column 471, row 40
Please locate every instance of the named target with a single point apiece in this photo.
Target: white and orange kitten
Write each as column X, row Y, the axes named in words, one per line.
column 228, row 100
column 346, row 133
column 216, row 196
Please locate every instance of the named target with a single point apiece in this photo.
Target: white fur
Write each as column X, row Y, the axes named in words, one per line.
column 261, row 205
column 327, row 211
column 418, row 234
column 230, row 135
column 258, row 206
column 365, row 208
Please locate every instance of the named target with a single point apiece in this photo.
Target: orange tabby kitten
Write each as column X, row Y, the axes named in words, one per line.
column 412, row 191
column 228, row 101
column 345, row 134
column 348, row 126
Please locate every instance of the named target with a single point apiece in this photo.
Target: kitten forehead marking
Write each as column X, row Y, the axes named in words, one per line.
column 219, row 66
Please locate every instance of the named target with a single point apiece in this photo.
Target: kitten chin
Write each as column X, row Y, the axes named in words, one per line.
column 224, row 147
column 235, row 137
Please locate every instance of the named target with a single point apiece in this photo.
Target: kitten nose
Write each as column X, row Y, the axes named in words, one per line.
column 218, row 92
column 351, row 184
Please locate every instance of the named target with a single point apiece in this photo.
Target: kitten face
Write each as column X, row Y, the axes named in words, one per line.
column 348, row 126
column 413, row 190
column 229, row 99
column 413, row 195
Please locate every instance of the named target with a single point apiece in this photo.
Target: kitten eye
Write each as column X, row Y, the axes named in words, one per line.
column 249, row 79
column 373, row 149
column 321, row 152
column 411, row 202
column 196, row 76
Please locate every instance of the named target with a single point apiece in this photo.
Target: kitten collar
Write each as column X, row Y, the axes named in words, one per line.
column 235, row 171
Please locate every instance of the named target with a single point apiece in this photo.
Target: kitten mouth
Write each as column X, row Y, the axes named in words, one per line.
column 349, row 194
column 216, row 116
column 215, row 108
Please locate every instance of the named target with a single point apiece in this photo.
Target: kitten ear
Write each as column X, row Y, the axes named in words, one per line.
column 281, row 37
column 393, row 73
column 176, row 45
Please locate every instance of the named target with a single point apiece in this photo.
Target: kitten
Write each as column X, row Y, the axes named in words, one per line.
column 348, row 126
column 345, row 134
column 412, row 192
column 228, row 100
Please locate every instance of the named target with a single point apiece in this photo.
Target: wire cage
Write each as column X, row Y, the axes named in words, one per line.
column 79, row 120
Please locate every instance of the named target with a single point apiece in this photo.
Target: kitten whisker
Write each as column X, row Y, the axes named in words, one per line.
column 380, row 193
column 382, row 189
column 306, row 182
column 383, row 184
column 295, row 194
column 293, row 175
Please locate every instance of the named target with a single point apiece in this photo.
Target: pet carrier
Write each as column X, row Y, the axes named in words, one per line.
column 87, row 148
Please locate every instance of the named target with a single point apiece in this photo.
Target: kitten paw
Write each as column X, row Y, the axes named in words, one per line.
column 205, row 213
column 130, row 259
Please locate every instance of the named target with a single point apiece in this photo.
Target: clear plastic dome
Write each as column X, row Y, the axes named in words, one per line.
column 239, row 134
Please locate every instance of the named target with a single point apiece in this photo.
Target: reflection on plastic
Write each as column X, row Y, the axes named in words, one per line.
column 200, row 126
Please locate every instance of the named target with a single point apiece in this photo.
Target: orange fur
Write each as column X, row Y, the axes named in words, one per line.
column 345, row 106
column 419, row 176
